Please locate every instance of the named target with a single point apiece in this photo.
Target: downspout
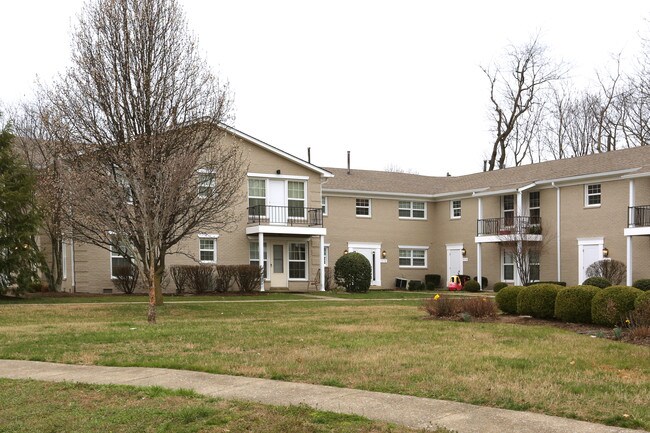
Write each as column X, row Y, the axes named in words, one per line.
column 557, row 231
column 72, row 270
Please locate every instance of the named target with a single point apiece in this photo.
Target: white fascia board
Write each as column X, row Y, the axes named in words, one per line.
column 460, row 193
column 529, row 186
column 590, row 176
column 636, row 231
column 276, row 151
column 371, row 194
column 636, row 175
column 499, row 192
column 277, row 176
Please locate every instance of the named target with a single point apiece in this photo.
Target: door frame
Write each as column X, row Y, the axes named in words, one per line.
column 280, row 280
column 454, row 247
column 376, row 266
column 583, row 242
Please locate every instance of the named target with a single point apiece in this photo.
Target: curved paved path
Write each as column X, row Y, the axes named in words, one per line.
column 400, row 409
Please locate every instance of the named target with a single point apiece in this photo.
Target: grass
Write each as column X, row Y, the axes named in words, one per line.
column 374, row 345
column 30, row 406
column 37, row 298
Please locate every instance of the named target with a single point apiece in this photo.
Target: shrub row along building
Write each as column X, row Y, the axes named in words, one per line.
column 561, row 216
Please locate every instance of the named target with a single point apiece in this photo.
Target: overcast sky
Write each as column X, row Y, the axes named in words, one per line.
column 395, row 82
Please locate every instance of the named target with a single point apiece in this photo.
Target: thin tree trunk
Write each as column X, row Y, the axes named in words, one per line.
column 151, row 316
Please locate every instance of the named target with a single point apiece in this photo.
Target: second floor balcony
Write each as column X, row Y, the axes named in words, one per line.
column 638, row 216
column 287, row 216
column 507, row 227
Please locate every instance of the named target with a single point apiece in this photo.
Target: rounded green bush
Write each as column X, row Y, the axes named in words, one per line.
column 498, row 286
column 597, row 282
column 573, row 304
column 611, row 306
column 353, row 272
column 643, row 284
column 642, row 301
column 472, row 286
column 538, row 301
column 507, row 299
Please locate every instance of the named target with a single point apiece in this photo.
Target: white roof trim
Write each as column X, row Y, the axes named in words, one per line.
column 356, row 193
column 467, row 191
column 276, row 151
column 590, row 176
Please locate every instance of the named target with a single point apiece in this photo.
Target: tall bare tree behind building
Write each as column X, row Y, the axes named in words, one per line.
column 515, row 89
column 146, row 165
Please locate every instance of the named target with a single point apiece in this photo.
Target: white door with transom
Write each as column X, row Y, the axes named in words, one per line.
column 454, row 260
column 372, row 252
column 276, row 202
column 590, row 250
column 279, row 266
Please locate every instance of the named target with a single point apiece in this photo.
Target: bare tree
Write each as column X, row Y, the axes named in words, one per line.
column 146, row 165
column 394, row 168
column 525, row 242
column 613, row 271
column 515, row 88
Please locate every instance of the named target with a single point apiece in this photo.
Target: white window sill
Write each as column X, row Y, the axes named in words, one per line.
column 413, row 218
column 413, row 267
column 363, row 216
column 591, row 206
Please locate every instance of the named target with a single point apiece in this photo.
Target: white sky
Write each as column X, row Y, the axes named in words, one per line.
column 397, row 83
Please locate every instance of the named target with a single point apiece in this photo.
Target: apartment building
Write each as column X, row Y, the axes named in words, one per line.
column 298, row 218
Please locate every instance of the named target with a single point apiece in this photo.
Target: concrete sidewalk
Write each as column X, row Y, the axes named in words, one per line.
column 400, row 409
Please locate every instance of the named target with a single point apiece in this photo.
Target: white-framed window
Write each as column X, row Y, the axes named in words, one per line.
column 363, row 207
column 593, row 195
column 326, row 255
column 296, row 195
column 412, row 257
column 508, row 266
column 119, row 258
column 297, row 261
column 508, row 210
column 256, row 197
column 119, row 177
column 64, row 260
column 208, row 248
column 206, row 182
column 455, row 209
column 533, row 266
column 534, row 209
column 412, row 210
column 323, row 201
column 254, row 257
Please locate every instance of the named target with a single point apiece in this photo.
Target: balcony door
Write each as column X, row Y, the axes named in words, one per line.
column 277, row 201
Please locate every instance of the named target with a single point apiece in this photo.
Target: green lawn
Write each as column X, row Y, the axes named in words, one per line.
column 142, row 298
column 375, row 345
column 29, row 406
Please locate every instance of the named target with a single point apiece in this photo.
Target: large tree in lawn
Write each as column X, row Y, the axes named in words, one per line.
column 146, row 163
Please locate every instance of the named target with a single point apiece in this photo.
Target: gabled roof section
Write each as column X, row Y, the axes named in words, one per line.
column 624, row 163
column 323, row 172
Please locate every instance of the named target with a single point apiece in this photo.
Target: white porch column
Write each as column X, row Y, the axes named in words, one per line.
column 558, row 240
column 322, row 264
column 479, row 264
column 630, row 258
column 260, row 240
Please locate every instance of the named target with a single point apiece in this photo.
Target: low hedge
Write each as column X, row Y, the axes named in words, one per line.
column 472, row 286
column 432, row 281
column 597, row 282
column 506, row 299
column 573, row 304
column 538, row 301
column 643, row 284
column 484, row 282
column 612, row 305
column 555, row 283
column 415, row 285
column 498, row 286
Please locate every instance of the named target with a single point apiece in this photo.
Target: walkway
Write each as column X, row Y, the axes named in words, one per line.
column 400, row 409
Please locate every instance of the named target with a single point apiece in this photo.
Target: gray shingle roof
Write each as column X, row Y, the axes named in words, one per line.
column 508, row 178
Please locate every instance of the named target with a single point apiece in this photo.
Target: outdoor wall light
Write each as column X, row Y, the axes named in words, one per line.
column 345, row 251
column 383, row 254
column 463, row 252
column 605, row 252
column 278, row 171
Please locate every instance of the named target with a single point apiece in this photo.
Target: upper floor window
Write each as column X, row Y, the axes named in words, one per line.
column 324, row 205
column 592, row 195
column 534, row 207
column 412, row 257
column 207, row 183
column 256, row 196
column 455, row 209
column 508, row 202
column 412, row 209
column 208, row 248
column 362, row 207
column 296, row 203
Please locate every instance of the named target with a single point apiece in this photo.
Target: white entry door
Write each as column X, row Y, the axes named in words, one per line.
column 372, row 252
column 277, row 201
column 588, row 253
column 454, row 260
column 278, row 266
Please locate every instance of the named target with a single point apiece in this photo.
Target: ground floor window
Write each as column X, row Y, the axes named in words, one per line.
column 298, row 260
column 208, row 250
column 254, row 256
column 508, row 266
column 119, row 260
column 533, row 266
column 326, row 255
column 413, row 258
